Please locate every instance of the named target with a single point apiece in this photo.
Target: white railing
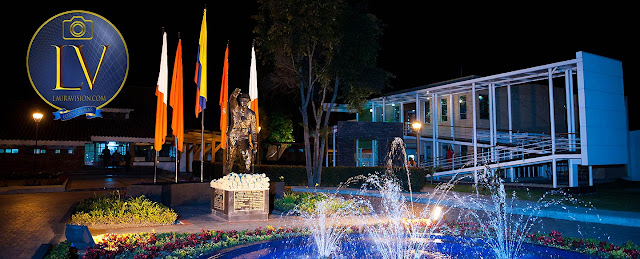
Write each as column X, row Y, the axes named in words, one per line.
column 528, row 146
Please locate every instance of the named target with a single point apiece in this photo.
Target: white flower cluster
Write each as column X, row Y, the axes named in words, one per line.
column 235, row 181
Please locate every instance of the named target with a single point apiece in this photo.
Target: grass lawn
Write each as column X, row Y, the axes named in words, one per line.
column 620, row 195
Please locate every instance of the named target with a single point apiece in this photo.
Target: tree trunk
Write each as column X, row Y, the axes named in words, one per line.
column 307, row 149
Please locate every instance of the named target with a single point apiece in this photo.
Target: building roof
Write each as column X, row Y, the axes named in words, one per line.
column 138, row 102
column 465, row 84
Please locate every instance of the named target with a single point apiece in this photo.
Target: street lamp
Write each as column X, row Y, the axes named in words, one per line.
column 37, row 117
column 416, row 127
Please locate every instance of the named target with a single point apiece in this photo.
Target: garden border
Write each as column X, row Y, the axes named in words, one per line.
column 34, row 189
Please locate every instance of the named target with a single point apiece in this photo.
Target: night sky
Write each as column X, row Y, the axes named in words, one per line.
column 422, row 44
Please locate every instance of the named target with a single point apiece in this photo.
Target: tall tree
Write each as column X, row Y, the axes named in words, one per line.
column 323, row 50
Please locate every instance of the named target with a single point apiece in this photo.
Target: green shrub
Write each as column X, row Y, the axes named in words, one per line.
column 305, row 202
column 331, row 176
column 112, row 209
column 60, row 251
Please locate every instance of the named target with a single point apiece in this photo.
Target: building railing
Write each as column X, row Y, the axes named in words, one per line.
column 465, row 133
column 526, row 147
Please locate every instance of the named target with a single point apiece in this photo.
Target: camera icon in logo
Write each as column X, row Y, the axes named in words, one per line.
column 77, row 28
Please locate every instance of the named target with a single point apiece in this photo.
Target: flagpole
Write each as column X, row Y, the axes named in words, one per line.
column 176, row 143
column 202, row 149
column 155, row 167
column 175, row 140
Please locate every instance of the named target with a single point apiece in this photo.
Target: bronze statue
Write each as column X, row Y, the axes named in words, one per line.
column 242, row 126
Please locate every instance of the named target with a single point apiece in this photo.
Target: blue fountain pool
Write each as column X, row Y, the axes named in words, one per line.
column 361, row 246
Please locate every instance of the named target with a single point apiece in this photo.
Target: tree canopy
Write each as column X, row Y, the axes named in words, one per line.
column 322, row 50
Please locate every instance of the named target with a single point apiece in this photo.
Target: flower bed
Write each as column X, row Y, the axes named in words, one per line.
column 587, row 246
column 193, row 245
column 109, row 210
column 180, row 245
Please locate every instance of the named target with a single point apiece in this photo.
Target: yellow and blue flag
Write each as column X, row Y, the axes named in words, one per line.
column 201, row 68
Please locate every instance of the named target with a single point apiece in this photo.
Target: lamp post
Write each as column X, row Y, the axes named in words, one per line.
column 416, row 127
column 258, row 153
column 37, row 117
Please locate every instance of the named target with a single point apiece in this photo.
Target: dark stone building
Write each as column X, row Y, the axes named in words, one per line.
column 349, row 133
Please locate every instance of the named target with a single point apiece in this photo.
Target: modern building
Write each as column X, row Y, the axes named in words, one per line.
column 563, row 123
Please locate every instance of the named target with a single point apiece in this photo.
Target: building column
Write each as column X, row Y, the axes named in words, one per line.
column 358, row 153
column 554, row 173
column 402, row 114
column 495, row 123
column 384, row 108
column 335, row 157
column 510, row 115
column 374, row 152
column 571, row 124
column 512, row 174
column 373, row 111
column 418, row 135
column 573, row 172
column 326, row 154
column 452, row 117
column 434, row 125
column 492, row 118
column 475, row 133
column 189, row 156
column 451, row 109
column 552, row 116
column 590, row 175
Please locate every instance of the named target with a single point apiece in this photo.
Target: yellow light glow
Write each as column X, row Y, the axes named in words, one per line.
column 37, row 116
column 416, row 125
column 436, row 213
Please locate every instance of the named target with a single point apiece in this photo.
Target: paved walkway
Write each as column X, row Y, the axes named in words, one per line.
column 29, row 220
column 32, row 219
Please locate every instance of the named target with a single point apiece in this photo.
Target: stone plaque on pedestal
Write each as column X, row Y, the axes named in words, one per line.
column 240, row 205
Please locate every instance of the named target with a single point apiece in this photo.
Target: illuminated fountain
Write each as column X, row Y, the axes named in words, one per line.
column 400, row 225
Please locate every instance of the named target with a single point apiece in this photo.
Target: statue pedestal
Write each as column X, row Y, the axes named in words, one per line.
column 240, row 205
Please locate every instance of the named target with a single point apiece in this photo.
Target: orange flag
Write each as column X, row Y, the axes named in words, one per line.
column 161, row 93
column 224, row 96
column 177, row 120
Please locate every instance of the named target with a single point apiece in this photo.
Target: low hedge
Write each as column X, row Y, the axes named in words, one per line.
column 331, row 176
column 61, row 251
column 305, row 203
column 110, row 209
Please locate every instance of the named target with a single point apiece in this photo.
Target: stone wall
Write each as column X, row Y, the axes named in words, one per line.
column 349, row 131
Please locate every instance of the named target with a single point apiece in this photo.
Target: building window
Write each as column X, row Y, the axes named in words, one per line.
column 396, row 114
column 64, row 151
column 427, row 111
column 463, row 107
column 444, row 109
column 484, row 106
column 38, row 151
column 9, row 151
